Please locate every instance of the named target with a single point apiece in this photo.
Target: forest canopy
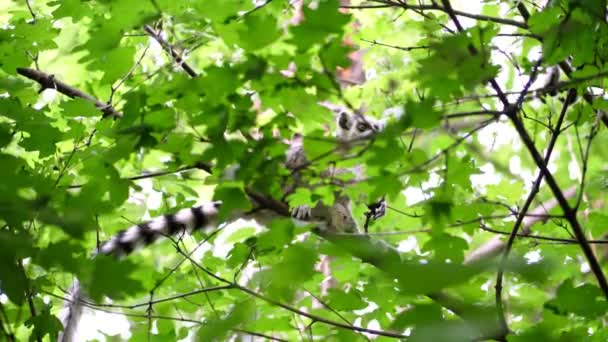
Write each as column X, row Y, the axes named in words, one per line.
column 488, row 150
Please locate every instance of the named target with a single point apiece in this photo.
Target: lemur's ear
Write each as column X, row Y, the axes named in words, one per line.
column 362, row 109
column 335, row 109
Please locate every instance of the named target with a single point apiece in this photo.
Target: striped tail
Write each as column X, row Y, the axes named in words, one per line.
column 132, row 238
column 144, row 234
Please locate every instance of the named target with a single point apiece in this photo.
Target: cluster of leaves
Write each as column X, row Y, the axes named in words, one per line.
column 114, row 111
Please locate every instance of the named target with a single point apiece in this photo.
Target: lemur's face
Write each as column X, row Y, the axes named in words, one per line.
column 353, row 127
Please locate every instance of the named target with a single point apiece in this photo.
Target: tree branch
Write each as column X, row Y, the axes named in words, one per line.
column 569, row 213
column 295, row 310
column 564, row 66
column 535, row 189
column 170, row 50
column 202, row 166
column 435, row 7
column 47, row 81
column 496, row 245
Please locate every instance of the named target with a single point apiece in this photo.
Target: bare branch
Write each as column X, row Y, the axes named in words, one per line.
column 49, row 82
column 496, row 245
column 201, row 166
column 169, row 49
column 564, row 66
column 569, row 212
column 535, row 189
column 295, row 310
column 402, row 48
column 29, row 7
column 436, row 7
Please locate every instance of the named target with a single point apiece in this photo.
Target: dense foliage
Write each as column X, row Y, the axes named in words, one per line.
column 112, row 112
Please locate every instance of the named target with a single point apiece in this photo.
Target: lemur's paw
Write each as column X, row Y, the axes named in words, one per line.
column 302, row 212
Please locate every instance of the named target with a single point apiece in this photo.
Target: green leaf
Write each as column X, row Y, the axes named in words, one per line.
column 597, row 224
column 279, row 234
column 44, row 324
column 217, row 328
column 302, row 196
column 240, row 234
column 415, row 276
column 64, row 255
column 233, row 198
column 422, row 114
column 423, row 314
column 112, row 278
column 345, row 301
column 13, row 248
column 5, row 135
column 239, row 254
column 261, row 31
column 586, row 300
column 79, row 107
column 319, row 23
column 446, row 247
column 296, row 266
column 14, row 282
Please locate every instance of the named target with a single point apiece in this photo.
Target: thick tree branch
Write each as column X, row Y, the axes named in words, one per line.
column 49, row 82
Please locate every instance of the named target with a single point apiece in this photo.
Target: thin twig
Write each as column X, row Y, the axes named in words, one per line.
column 113, row 89
column 292, row 309
column 29, row 7
column 436, row 7
column 565, row 66
column 569, row 212
column 402, row 48
column 541, row 237
column 203, row 167
column 585, row 162
column 169, row 49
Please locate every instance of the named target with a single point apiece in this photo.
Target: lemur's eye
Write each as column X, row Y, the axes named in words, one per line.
column 362, row 126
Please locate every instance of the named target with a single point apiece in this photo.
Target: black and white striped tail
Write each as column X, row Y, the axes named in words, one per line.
column 144, row 234
column 128, row 240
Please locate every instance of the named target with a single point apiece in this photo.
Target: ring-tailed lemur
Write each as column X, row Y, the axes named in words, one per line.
column 350, row 127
